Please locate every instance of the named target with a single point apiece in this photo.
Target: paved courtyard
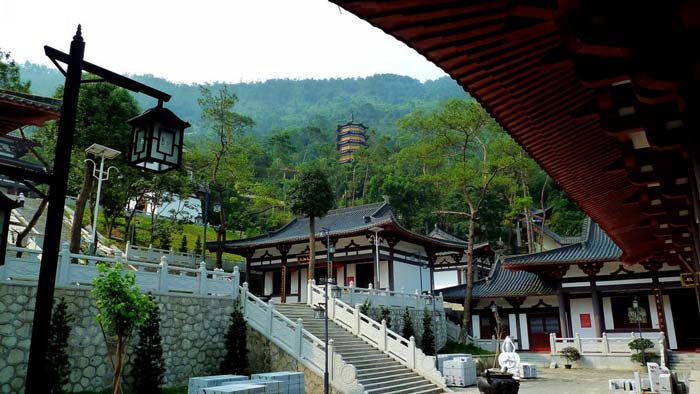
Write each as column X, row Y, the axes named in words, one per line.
column 568, row 381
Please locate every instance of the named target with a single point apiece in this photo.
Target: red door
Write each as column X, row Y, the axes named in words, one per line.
column 539, row 328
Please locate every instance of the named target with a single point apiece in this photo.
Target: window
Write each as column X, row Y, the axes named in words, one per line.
column 624, row 315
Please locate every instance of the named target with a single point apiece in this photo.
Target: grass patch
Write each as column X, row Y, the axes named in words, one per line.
column 454, row 347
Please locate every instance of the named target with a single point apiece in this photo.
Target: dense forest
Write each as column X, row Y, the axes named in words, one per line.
column 433, row 151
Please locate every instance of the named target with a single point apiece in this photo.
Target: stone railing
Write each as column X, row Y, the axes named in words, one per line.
column 299, row 343
column 356, row 295
column 192, row 260
column 614, row 345
column 377, row 334
column 78, row 269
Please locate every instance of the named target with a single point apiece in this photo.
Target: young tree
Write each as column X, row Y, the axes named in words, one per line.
column 183, row 244
column 385, row 314
column 198, row 246
column 122, row 309
column 428, row 340
column 9, row 75
column 236, row 359
column 311, row 195
column 408, row 330
column 56, row 356
column 471, row 147
column 149, row 366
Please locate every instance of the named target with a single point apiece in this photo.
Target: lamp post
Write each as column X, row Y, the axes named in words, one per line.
column 377, row 270
column 330, row 249
column 37, row 370
column 638, row 317
column 103, row 153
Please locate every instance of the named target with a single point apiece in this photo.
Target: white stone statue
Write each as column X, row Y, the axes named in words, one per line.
column 509, row 359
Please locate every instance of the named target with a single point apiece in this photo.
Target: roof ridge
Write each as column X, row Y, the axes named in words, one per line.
column 355, row 208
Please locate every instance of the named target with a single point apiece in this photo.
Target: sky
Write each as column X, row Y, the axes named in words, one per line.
column 211, row 40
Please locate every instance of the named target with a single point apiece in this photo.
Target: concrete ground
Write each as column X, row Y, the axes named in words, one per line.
column 568, row 381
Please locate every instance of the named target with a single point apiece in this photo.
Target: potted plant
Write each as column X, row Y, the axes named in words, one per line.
column 571, row 354
column 640, row 346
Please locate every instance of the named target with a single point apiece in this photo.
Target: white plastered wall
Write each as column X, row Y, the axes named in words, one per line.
column 407, row 277
column 580, row 306
column 351, row 273
column 670, row 326
column 476, row 326
column 607, row 314
column 268, row 283
column 525, row 342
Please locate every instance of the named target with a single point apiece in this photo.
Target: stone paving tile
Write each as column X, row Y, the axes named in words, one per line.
column 566, row 381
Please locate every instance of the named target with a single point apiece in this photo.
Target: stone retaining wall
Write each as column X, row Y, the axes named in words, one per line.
column 192, row 328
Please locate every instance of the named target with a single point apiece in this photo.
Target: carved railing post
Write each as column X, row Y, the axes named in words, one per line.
column 270, row 318
column 577, row 343
column 163, row 277
column 236, row 278
column 331, row 359
column 605, row 345
column 352, row 293
column 382, row 336
column 358, row 320
column 552, row 343
column 244, row 296
column 662, row 349
column 371, row 292
column 64, row 265
column 412, row 352
column 202, row 274
column 310, row 291
column 298, row 336
column 402, row 297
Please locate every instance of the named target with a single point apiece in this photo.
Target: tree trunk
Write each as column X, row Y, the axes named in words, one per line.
column 544, row 214
column 220, row 234
column 30, row 225
column 80, row 202
column 467, row 314
column 528, row 230
column 354, row 167
column 312, row 248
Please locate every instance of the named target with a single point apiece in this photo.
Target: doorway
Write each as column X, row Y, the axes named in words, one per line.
column 364, row 274
column 539, row 328
column 686, row 318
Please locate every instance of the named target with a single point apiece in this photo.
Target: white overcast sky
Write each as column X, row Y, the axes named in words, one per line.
column 211, row 40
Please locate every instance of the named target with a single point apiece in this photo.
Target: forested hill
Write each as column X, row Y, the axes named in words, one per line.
column 377, row 101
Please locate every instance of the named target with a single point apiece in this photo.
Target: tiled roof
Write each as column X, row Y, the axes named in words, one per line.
column 561, row 240
column 442, row 234
column 20, row 109
column 341, row 222
column 504, row 283
column 594, row 246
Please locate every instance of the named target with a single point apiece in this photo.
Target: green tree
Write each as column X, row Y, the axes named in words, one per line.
column 428, row 340
column 198, row 246
column 10, row 75
column 311, row 195
column 56, row 356
column 236, row 359
column 149, row 366
column 122, row 309
column 385, row 314
column 183, row 244
column 408, row 330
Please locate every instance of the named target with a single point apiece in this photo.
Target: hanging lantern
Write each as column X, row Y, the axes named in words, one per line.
column 6, row 206
column 156, row 140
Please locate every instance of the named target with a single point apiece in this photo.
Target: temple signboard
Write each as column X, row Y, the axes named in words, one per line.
column 303, row 259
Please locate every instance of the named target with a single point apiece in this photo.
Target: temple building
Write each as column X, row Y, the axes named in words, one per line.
column 350, row 137
column 400, row 260
column 583, row 289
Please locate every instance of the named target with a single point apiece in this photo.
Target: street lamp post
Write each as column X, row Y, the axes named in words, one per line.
column 104, row 153
column 330, row 249
column 638, row 316
column 37, row 369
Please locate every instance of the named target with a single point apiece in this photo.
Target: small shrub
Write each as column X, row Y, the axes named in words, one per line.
column 408, row 330
column 149, row 366
column 183, row 244
column 571, row 354
column 56, row 356
column 364, row 308
column 198, row 246
column 236, row 360
column 641, row 345
column 428, row 340
column 385, row 314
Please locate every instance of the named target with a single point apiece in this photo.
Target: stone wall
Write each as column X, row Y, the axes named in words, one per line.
column 192, row 328
column 265, row 356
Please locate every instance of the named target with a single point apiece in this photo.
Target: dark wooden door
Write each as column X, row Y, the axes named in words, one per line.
column 364, row 275
column 539, row 328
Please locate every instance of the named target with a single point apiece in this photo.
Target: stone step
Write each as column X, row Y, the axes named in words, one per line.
column 411, row 388
column 381, row 376
column 392, row 382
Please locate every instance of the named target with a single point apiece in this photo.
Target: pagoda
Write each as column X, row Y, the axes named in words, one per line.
column 350, row 137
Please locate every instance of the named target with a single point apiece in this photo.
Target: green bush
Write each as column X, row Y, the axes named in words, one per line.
column 364, row 308
column 641, row 345
column 408, row 331
column 570, row 353
column 428, row 340
column 149, row 366
column 385, row 314
column 56, row 356
column 235, row 361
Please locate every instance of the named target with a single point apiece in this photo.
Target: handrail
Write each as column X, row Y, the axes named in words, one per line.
column 378, row 335
column 604, row 345
column 354, row 295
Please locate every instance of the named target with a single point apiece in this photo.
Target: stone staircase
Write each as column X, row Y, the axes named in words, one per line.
column 376, row 371
column 684, row 361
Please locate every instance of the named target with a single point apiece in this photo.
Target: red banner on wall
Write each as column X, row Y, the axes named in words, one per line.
column 585, row 320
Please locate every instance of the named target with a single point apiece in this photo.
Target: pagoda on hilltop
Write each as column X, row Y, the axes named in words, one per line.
column 349, row 138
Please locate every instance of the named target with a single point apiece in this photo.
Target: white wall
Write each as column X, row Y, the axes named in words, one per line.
column 304, row 282
column 407, row 276
column 268, row 283
column 607, row 313
column 670, row 326
column 294, row 285
column 383, row 274
column 339, row 275
column 580, row 306
column 476, row 326
column 525, row 340
column 351, row 273
column 512, row 324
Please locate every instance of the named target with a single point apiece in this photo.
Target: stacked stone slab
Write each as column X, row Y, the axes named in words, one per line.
column 293, row 381
column 198, row 383
column 241, row 388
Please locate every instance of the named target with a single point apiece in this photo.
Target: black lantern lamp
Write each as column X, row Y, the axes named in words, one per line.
column 156, row 140
column 6, row 206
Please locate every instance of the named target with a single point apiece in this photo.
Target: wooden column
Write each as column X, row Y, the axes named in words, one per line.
column 659, row 301
column 299, row 284
column 284, row 249
column 597, row 311
column 563, row 300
